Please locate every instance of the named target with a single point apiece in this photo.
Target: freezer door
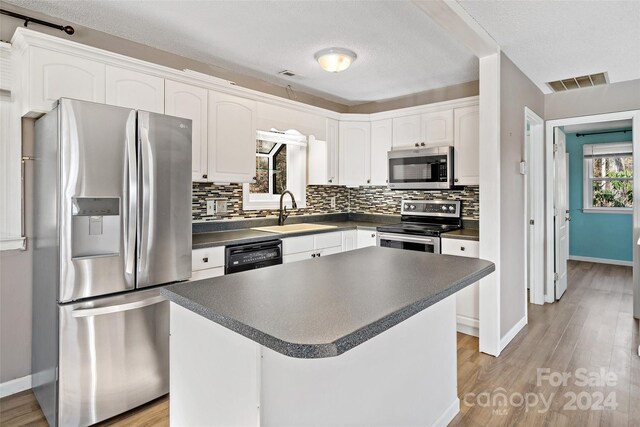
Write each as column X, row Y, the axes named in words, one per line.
column 164, row 214
column 97, row 202
column 114, row 356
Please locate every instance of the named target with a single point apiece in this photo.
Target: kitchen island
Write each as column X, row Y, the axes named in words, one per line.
column 366, row 337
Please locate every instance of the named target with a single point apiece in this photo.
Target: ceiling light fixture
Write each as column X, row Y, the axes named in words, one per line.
column 335, row 59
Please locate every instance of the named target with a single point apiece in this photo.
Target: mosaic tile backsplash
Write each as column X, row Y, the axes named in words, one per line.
column 370, row 200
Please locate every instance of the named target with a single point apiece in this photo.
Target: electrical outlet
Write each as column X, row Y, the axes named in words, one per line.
column 221, row 207
column 333, row 201
column 211, row 207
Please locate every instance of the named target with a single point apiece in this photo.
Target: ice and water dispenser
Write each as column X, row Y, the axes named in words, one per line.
column 95, row 226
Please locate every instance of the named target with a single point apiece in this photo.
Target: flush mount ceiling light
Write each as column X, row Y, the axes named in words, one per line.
column 335, row 59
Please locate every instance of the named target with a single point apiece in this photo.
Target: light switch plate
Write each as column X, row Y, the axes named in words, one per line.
column 211, row 207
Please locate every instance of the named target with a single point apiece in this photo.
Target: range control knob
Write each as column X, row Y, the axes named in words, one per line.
column 406, row 206
column 412, row 207
column 444, row 208
column 452, row 208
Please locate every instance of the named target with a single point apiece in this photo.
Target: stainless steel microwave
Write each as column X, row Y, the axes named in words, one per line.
column 421, row 168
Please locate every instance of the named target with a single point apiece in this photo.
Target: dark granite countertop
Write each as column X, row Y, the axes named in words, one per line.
column 325, row 306
column 242, row 236
column 463, row 234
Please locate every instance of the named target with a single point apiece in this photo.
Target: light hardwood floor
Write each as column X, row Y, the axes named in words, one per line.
column 591, row 327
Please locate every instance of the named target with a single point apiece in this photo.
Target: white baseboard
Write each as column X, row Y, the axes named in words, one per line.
column 468, row 325
column 15, row 386
column 601, row 260
column 448, row 415
column 506, row 339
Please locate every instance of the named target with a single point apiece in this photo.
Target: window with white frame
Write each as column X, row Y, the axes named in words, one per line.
column 281, row 160
column 608, row 177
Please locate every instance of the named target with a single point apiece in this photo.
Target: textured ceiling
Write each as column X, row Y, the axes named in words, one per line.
column 400, row 50
column 553, row 40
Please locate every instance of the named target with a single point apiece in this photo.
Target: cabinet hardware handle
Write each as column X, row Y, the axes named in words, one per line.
column 313, row 255
column 417, row 145
column 373, row 235
column 205, row 259
column 462, row 248
column 204, row 176
column 255, row 178
column 422, row 144
column 331, row 180
column 319, row 254
column 368, row 181
column 455, row 180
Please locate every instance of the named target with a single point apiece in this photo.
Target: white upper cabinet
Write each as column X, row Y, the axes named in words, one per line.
column 323, row 157
column 437, row 128
column 53, row 75
column 355, row 153
column 407, row 131
column 232, row 138
column 190, row 102
column 333, row 152
column 132, row 89
column 381, row 137
column 466, row 146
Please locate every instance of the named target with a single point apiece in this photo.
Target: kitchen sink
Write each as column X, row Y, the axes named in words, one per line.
column 293, row 228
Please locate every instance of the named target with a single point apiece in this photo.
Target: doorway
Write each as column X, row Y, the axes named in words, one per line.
column 596, row 195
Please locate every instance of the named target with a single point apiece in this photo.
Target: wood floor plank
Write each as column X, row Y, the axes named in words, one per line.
column 591, row 327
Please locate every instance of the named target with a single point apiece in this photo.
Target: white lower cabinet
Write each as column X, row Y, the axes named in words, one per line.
column 367, row 238
column 468, row 299
column 207, row 263
column 311, row 246
column 349, row 240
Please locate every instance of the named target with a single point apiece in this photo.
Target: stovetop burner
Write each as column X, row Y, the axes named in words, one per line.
column 427, row 218
column 418, row 228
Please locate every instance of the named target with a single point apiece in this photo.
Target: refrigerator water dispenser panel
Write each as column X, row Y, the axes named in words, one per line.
column 95, row 227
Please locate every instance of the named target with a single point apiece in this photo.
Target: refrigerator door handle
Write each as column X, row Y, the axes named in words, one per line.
column 117, row 308
column 132, row 200
column 146, row 219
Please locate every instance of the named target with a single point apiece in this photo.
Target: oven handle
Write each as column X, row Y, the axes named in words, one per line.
column 404, row 238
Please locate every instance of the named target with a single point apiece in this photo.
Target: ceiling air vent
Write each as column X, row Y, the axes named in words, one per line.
column 287, row 73
column 578, row 82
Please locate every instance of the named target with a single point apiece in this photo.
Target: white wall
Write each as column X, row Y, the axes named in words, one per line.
column 516, row 92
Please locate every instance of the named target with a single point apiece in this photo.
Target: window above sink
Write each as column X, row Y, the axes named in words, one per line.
column 281, row 160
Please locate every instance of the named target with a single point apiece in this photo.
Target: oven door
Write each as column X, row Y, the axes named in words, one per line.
column 410, row 243
column 428, row 168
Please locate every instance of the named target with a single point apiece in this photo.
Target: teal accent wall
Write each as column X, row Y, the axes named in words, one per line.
column 595, row 235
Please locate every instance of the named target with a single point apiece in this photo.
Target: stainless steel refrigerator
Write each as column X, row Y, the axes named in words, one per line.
column 112, row 222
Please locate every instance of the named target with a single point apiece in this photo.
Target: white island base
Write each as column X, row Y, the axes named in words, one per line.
column 405, row 376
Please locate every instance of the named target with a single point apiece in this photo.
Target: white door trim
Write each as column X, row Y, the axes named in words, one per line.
column 534, row 163
column 633, row 115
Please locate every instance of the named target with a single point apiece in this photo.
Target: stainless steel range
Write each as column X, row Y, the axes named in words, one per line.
column 422, row 223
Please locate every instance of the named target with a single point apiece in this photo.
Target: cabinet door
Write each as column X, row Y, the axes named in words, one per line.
column 349, row 240
column 367, row 238
column 468, row 299
column 318, row 162
column 232, row 138
column 437, row 128
column 131, row 89
column 301, row 256
column 381, row 138
column 332, row 152
column 355, row 153
column 54, row 75
column 406, row 131
column 466, row 146
column 190, row 102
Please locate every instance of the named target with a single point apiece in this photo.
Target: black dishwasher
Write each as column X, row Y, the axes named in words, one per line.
column 252, row 255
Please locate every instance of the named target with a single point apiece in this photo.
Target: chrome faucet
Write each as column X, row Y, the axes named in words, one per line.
column 283, row 209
